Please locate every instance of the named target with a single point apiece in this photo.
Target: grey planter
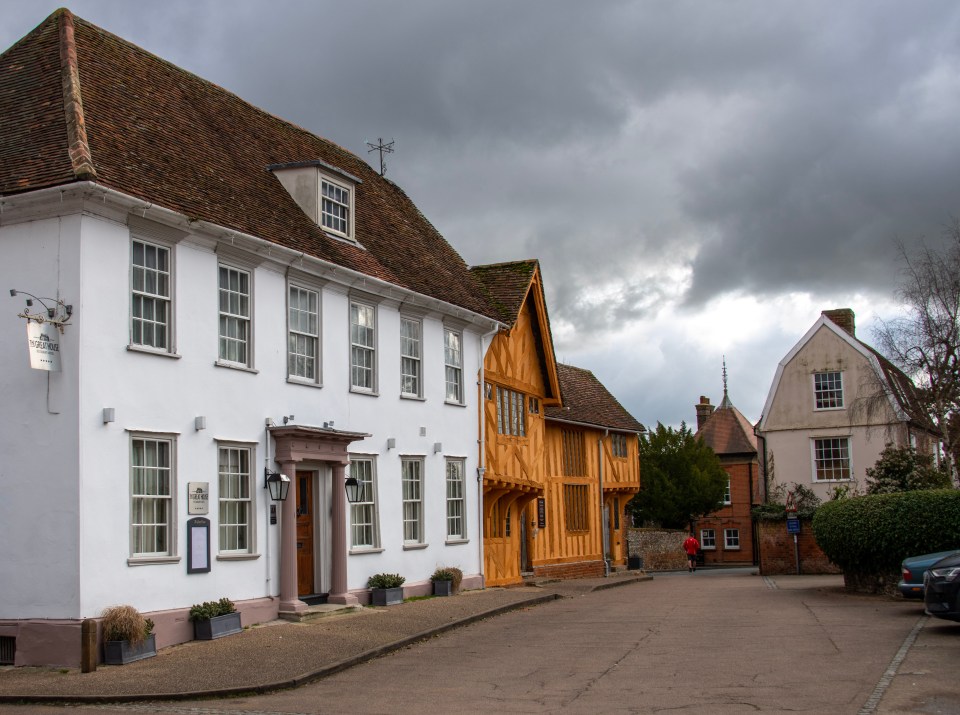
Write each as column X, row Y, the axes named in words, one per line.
column 217, row 627
column 122, row 652
column 443, row 588
column 386, row 596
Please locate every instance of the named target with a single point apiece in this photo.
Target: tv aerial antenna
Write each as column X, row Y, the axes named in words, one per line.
column 383, row 149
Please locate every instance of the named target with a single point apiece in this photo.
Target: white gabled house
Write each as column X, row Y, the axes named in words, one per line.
column 834, row 404
column 245, row 299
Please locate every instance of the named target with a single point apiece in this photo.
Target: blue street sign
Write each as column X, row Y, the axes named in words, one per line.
column 793, row 525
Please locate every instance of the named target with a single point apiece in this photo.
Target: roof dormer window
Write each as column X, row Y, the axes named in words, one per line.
column 336, row 212
column 324, row 193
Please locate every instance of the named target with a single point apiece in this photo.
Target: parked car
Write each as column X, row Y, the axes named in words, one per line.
column 914, row 567
column 941, row 597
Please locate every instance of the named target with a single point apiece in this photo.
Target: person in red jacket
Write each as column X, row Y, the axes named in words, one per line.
column 691, row 546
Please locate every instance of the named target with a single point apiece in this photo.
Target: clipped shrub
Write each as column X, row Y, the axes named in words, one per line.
column 385, row 580
column 125, row 623
column 211, row 609
column 870, row 535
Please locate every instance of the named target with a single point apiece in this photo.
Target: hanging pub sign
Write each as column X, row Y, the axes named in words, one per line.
column 43, row 339
column 198, row 497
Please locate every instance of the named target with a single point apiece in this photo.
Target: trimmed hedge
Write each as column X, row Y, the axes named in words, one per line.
column 872, row 534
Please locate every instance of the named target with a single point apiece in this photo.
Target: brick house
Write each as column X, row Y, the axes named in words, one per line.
column 728, row 535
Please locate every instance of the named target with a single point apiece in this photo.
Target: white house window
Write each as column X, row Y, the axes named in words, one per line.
column 303, row 323
column 150, row 295
column 731, row 539
column 831, row 457
column 152, row 510
column 335, row 210
column 456, row 511
column 411, row 477
column 410, row 357
column 236, row 506
column 619, row 445
column 708, row 539
column 363, row 336
column 828, row 390
column 363, row 515
column 726, row 493
column 453, row 363
column 510, row 413
column 234, row 315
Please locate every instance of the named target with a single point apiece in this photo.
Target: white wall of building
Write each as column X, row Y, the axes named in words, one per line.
column 67, row 477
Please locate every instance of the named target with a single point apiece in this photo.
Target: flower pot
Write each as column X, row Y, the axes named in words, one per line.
column 123, row 652
column 443, row 588
column 386, row 596
column 217, row 627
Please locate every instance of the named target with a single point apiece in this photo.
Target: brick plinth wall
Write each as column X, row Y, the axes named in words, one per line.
column 660, row 549
column 777, row 554
column 579, row 569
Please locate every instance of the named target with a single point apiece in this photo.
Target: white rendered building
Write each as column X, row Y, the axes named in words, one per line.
column 244, row 298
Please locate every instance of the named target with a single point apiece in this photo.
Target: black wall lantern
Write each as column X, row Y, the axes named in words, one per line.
column 354, row 490
column 277, row 484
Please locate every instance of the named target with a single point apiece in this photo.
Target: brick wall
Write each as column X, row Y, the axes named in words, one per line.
column 777, row 554
column 578, row 569
column 660, row 549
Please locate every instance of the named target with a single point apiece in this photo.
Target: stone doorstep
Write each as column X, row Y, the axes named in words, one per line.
column 321, row 610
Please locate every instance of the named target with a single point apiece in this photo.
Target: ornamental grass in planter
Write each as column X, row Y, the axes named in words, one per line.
column 386, row 589
column 446, row 580
column 215, row 619
column 127, row 636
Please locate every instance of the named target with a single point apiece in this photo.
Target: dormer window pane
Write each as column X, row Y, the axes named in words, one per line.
column 335, row 209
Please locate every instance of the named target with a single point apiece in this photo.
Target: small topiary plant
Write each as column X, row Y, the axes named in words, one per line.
column 125, row 623
column 211, row 609
column 385, row 580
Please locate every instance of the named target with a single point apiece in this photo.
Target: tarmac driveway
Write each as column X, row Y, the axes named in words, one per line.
column 711, row 642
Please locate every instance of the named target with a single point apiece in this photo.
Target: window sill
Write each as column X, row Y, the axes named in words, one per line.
column 731, row 548
column 237, row 557
column 152, row 560
column 415, row 398
column 415, row 547
column 359, row 391
column 831, row 481
column 456, row 542
column 235, row 366
column 708, row 548
column 151, row 351
column 361, row 552
column 305, row 383
column 454, row 404
column 829, row 409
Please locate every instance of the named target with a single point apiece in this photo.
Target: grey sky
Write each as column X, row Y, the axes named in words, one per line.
column 697, row 179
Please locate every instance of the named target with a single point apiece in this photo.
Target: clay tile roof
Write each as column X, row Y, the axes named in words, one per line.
column 726, row 431
column 77, row 102
column 506, row 285
column 587, row 401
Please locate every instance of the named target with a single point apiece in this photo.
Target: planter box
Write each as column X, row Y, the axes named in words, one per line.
column 217, row 627
column 122, row 652
column 386, row 596
column 443, row 588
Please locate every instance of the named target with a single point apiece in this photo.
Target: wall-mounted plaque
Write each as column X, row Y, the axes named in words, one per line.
column 198, row 497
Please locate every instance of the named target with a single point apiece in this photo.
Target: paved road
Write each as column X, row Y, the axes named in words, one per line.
column 712, row 642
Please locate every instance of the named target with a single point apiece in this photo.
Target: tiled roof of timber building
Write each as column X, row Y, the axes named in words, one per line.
column 78, row 103
column 726, row 431
column 506, row 285
column 587, row 401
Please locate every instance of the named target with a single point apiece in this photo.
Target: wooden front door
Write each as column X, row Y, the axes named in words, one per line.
column 305, row 581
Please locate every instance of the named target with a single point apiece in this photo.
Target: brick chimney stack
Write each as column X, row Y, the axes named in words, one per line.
column 843, row 318
column 704, row 410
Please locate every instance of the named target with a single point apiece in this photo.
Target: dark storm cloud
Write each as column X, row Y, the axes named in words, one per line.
column 655, row 156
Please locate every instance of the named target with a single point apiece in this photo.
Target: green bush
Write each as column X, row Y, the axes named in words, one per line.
column 385, row 580
column 872, row 534
column 210, row 609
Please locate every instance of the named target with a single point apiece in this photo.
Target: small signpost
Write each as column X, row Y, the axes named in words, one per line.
column 793, row 527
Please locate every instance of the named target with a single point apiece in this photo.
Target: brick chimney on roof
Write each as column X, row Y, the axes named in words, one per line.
column 704, row 410
column 843, row 318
